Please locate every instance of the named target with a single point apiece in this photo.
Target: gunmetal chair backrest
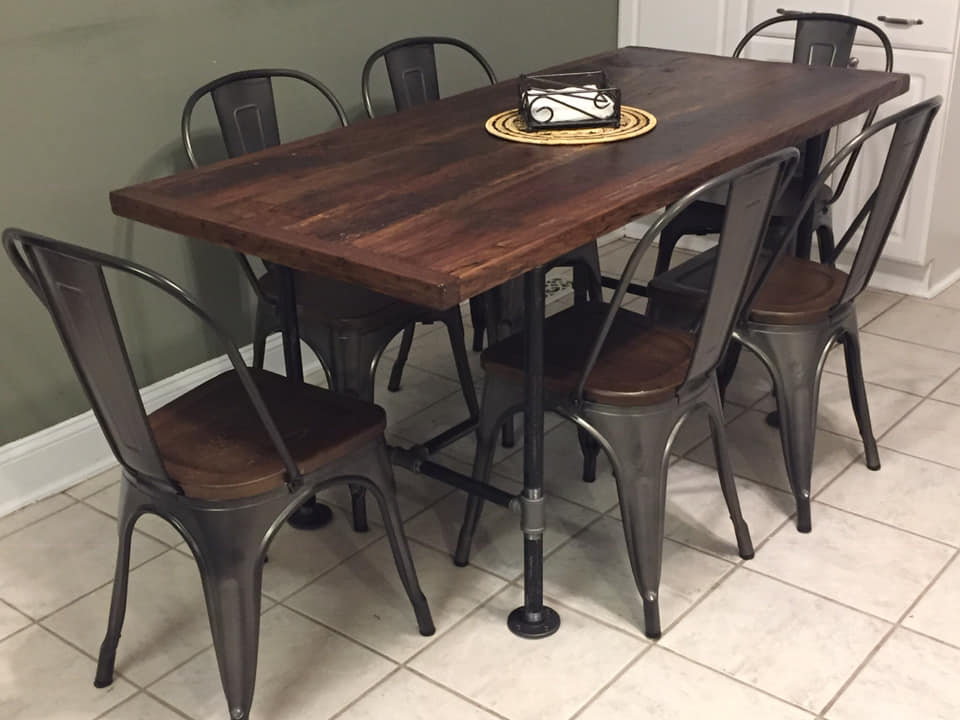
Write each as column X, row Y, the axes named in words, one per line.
column 825, row 39
column 753, row 190
column 412, row 70
column 69, row 281
column 247, row 114
column 246, row 109
column 910, row 129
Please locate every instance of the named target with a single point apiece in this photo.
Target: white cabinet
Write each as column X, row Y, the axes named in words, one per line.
column 923, row 252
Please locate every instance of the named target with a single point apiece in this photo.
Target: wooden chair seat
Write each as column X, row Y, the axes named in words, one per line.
column 640, row 364
column 341, row 304
column 797, row 292
column 214, row 446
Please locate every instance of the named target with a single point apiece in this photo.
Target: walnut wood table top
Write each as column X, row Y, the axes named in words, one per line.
column 424, row 205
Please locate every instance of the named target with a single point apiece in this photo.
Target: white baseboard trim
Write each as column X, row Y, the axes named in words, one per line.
column 58, row 457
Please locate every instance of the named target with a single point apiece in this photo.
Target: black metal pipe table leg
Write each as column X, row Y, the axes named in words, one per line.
column 533, row 619
column 312, row 514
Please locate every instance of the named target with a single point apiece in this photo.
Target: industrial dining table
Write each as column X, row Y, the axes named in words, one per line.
column 424, row 205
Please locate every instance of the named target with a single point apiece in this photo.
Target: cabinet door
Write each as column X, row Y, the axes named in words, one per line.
column 690, row 25
column 929, row 75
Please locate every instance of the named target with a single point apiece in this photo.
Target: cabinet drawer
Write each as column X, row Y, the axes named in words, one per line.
column 935, row 32
column 760, row 10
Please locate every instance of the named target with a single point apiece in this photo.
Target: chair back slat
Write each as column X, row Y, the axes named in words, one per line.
column 247, row 113
column 736, row 272
column 823, row 42
column 76, row 294
column 412, row 70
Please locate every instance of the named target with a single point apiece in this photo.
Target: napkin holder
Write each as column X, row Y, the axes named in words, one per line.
column 568, row 100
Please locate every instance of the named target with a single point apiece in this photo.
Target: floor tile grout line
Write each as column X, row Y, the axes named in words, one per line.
column 914, row 456
column 820, row 595
column 738, row 681
column 380, row 683
column 900, row 298
column 69, row 505
column 356, row 551
column 462, row 696
column 133, row 566
column 891, row 388
column 115, row 519
column 915, row 533
column 144, row 693
column 925, row 346
column 606, row 686
column 883, row 641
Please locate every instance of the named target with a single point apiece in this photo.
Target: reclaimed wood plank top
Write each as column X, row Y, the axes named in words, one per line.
column 424, row 205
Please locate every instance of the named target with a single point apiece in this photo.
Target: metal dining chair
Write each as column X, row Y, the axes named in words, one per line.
column 803, row 307
column 412, row 71
column 822, row 39
column 346, row 326
column 225, row 464
column 632, row 383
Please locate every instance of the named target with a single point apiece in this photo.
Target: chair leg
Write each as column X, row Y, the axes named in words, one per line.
column 858, row 394
column 118, row 601
column 396, row 373
column 384, row 490
column 232, row 578
column 354, row 358
column 508, row 436
column 479, row 320
column 642, row 448
column 728, row 367
column 825, row 243
column 264, row 322
column 793, row 359
column 454, row 322
column 590, row 449
column 668, row 241
column 496, row 400
column 728, row 484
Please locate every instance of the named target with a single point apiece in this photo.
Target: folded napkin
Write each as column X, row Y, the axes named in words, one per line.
column 570, row 104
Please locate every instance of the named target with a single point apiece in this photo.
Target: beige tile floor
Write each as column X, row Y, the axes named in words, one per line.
column 855, row 621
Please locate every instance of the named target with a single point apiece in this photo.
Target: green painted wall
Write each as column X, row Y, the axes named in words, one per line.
column 91, row 94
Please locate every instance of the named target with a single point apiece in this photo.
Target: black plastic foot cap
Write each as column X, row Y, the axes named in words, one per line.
column 773, row 419
column 873, row 465
column 311, row 516
column 545, row 625
column 651, row 620
column 103, row 681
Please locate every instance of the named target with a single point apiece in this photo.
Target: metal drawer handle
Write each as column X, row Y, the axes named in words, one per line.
column 899, row 20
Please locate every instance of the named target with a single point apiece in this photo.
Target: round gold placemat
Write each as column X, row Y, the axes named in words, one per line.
column 510, row 125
